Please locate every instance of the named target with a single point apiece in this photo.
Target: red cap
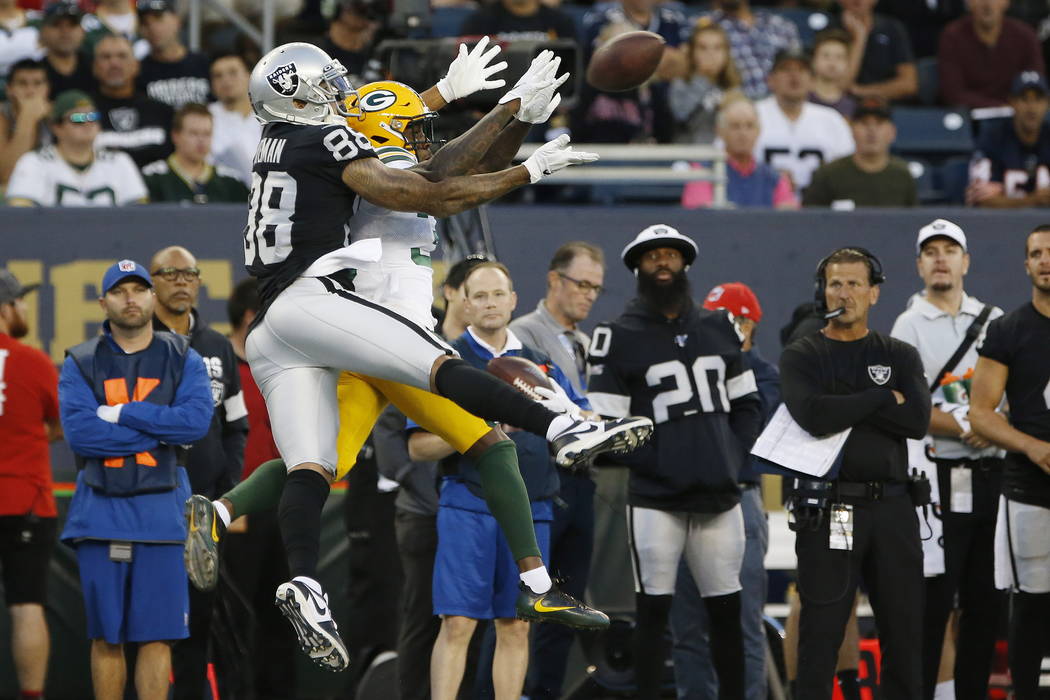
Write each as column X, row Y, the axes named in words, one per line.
column 737, row 297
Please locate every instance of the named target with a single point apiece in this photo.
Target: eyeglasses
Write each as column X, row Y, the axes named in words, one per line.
column 583, row 286
column 83, row 117
column 170, row 274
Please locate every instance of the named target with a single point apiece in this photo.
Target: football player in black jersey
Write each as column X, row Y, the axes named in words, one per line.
column 1014, row 360
column 308, row 171
column 683, row 366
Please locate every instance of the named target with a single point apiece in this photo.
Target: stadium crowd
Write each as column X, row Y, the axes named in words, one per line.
column 106, row 106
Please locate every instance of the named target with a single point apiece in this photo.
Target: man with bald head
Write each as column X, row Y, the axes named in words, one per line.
column 214, row 462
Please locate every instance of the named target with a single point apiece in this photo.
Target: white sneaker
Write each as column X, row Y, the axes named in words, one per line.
column 307, row 609
column 586, row 439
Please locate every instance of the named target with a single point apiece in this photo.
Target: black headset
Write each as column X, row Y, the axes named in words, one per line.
column 875, row 274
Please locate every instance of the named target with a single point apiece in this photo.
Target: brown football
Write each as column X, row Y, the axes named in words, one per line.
column 626, row 61
column 520, row 373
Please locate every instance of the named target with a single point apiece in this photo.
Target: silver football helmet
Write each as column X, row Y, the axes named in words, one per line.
column 299, row 83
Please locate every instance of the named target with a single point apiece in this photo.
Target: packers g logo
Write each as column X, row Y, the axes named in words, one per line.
column 378, row 101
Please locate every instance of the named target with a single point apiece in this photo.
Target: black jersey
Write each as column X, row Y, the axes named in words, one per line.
column 176, row 83
column 690, row 376
column 136, row 125
column 299, row 208
column 1020, row 340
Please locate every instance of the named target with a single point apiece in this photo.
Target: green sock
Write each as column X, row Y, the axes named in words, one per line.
column 507, row 498
column 260, row 491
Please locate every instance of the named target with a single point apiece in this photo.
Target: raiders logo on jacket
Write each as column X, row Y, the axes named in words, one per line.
column 690, row 376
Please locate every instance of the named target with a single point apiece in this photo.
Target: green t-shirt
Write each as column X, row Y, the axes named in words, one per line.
column 842, row 180
column 167, row 184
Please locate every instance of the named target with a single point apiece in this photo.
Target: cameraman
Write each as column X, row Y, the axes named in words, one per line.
column 849, row 376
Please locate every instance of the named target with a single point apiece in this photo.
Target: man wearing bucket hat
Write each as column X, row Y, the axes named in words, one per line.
column 72, row 172
column 682, row 366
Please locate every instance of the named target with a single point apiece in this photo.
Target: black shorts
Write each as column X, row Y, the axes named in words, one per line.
column 25, row 556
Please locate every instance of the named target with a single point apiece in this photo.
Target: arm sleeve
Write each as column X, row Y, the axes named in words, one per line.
column 188, row 417
column 234, row 415
column 910, row 419
column 607, row 389
column 995, row 345
column 87, row 434
column 902, row 52
column 745, row 405
column 819, row 413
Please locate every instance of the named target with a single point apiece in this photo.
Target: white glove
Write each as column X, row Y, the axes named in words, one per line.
column 470, row 72
column 558, row 401
column 553, row 156
column 539, row 76
column 110, row 414
column 541, row 105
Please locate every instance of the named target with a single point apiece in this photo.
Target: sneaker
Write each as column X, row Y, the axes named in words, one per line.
column 586, row 439
column 558, row 607
column 204, row 530
column 307, row 609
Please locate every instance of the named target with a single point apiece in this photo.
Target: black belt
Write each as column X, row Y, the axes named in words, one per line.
column 984, row 464
column 870, row 490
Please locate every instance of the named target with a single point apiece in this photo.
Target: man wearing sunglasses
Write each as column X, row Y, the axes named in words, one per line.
column 71, row 172
column 214, row 463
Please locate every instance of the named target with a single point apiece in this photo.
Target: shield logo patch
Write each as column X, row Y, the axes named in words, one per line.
column 880, row 374
column 284, row 79
column 124, row 118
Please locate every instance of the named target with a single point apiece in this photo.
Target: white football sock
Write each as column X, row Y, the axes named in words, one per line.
column 559, row 425
column 224, row 514
column 538, row 580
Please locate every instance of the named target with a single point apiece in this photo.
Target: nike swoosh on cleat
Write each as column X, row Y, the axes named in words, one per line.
column 590, row 429
column 320, row 610
column 540, row 607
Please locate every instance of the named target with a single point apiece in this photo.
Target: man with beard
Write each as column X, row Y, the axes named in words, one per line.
column 28, row 421
column 129, row 398
column 1013, row 362
column 682, row 366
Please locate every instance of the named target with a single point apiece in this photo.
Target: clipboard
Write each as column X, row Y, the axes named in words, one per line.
column 785, row 448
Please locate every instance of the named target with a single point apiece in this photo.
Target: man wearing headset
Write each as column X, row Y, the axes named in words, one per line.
column 847, row 376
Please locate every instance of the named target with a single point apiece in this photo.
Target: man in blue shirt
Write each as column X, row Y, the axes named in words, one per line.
column 128, row 399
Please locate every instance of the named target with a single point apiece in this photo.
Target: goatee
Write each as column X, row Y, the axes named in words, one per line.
column 664, row 296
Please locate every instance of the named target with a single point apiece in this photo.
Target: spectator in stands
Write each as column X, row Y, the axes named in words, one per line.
column 980, row 55
column 798, row 136
column 643, row 114
column 171, row 73
column 509, row 20
column 23, row 118
column 710, row 75
column 131, row 122
column 19, row 35
column 236, row 131
column 186, row 175
column 871, row 177
column 114, row 17
column 925, row 20
column 881, row 61
column 752, row 183
column 1012, row 165
column 71, row 172
column 352, row 36
column 61, row 37
column 755, row 38
column 831, row 74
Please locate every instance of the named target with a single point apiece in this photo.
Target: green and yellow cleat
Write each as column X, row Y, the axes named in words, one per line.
column 560, row 608
column 204, row 530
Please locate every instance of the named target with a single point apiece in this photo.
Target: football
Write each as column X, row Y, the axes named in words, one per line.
column 520, row 373
column 626, row 61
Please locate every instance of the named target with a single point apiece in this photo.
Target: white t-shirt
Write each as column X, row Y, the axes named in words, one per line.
column 818, row 136
column 234, row 139
column 45, row 178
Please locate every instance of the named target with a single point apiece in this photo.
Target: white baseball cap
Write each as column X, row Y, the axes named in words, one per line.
column 940, row 228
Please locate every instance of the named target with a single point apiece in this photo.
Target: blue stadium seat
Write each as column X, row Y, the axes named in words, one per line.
column 954, row 175
column 447, row 21
column 809, row 22
column 930, row 130
column 923, row 172
column 929, row 85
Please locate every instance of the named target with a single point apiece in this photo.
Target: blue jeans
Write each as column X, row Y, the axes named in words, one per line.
column 695, row 676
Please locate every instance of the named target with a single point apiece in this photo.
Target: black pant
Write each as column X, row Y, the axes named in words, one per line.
column 572, row 541
column 969, row 556
column 887, row 554
column 417, row 546
column 189, row 657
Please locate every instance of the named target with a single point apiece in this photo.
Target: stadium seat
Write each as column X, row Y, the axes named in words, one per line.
column 953, row 175
column 923, row 172
column 809, row 22
column 932, row 131
column 928, row 80
column 447, row 21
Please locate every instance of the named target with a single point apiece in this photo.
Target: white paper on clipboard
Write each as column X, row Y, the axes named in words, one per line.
column 786, row 444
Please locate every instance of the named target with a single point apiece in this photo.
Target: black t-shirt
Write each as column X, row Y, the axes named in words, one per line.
column 496, row 21
column 888, row 46
column 1020, row 340
column 82, row 78
column 136, row 125
column 830, row 385
column 299, row 206
column 177, row 83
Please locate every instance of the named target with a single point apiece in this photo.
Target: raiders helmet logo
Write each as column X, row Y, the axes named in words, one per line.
column 285, row 79
column 880, row 374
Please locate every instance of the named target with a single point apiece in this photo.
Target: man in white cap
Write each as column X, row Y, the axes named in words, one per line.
column 683, row 366
column 945, row 325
